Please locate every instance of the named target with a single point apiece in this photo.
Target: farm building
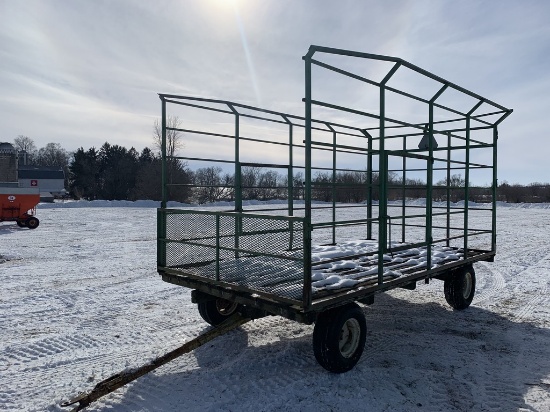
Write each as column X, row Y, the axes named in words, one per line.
column 15, row 173
column 50, row 180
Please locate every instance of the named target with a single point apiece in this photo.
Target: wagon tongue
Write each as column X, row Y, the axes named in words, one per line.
column 120, row 379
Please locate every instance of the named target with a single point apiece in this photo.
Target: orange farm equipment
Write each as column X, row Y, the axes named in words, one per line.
column 19, row 205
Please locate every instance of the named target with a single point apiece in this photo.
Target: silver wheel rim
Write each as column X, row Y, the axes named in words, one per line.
column 467, row 285
column 349, row 337
column 225, row 307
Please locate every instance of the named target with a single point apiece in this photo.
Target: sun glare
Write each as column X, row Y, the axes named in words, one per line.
column 227, row 3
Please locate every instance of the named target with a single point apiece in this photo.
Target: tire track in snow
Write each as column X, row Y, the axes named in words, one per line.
column 493, row 284
column 541, row 297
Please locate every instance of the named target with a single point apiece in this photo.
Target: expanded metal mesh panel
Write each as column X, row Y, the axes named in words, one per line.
column 191, row 258
column 257, row 253
column 192, row 227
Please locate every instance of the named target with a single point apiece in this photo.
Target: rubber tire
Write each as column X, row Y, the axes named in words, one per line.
column 216, row 311
column 460, row 288
column 32, row 223
column 21, row 223
column 327, row 334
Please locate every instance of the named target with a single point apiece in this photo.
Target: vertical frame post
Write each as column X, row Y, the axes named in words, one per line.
column 161, row 238
column 217, row 248
column 448, row 189
column 430, row 178
column 238, row 183
column 161, row 214
column 403, row 190
column 467, row 186
column 333, row 192
column 429, row 190
column 290, row 174
column 467, row 176
column 290, row 182
column 369, row 184
column 383, row 179
column 307, row 188
column 163, row 156
column 494, row 192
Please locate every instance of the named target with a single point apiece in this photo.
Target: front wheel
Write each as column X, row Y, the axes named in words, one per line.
column 32, row 223
column 460, row 288
column 21, row 223
column 216, row 311
column 339, row 337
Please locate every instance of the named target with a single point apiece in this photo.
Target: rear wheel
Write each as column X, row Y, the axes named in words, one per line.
column 217, row 310
column 32, row 223
column 339, row 337
column 460, row 288
column 20, row 223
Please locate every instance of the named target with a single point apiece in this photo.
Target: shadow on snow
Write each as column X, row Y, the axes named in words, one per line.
column 417, row 357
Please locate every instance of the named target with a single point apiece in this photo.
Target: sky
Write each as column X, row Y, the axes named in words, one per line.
column 80, row 73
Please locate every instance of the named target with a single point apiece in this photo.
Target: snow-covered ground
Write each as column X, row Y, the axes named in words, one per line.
column 80, row 300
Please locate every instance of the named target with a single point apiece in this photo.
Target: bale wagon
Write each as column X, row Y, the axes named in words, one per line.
column 375, row 194
column 369, row 191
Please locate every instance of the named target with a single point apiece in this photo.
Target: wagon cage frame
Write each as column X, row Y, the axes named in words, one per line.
column 271, row 258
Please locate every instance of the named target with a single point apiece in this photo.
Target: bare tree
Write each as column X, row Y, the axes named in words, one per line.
column 173, row 137
column 209, row 184
column 25, row 144
column 52, row 155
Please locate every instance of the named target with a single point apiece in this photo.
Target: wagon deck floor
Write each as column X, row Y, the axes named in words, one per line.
column 335, row 269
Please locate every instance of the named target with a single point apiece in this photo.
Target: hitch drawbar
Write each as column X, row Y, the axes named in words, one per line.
column 120, row 379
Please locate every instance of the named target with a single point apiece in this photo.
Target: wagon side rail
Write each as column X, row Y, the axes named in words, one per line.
column 265, row 256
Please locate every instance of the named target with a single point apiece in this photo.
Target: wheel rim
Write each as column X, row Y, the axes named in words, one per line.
column 467, row 285
column 225, row 307
column 349, row 337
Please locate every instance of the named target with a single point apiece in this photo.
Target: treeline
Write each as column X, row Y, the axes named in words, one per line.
column 113, row 172
column 116, row 173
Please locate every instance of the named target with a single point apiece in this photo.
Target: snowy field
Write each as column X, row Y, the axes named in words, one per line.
column 81, row 300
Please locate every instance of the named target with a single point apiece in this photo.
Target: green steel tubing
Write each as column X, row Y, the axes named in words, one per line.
column 217, row 248
column 163, row 154
column 448, row 187
column 467, row 176
column 494, row 192
column 238, row 182
column 333, row 183
column 429, row 172
column 383, row 179
column 466, row 188
column 429, row 191
column 369, row 184
column 235, row 106
column 290, row 182
column 391, row 89
column 161, row 235
column 383, row 194
column 307, row 192
column 233, row 214
column 313, row 49
column 403, row 191
column 240, row 250
column 343, row 222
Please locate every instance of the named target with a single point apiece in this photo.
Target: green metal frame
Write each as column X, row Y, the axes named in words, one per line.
column 376, row 144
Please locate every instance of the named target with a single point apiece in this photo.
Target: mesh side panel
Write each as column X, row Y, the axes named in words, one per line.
column 195, row 228
column 193, row 259
column 260, row 254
